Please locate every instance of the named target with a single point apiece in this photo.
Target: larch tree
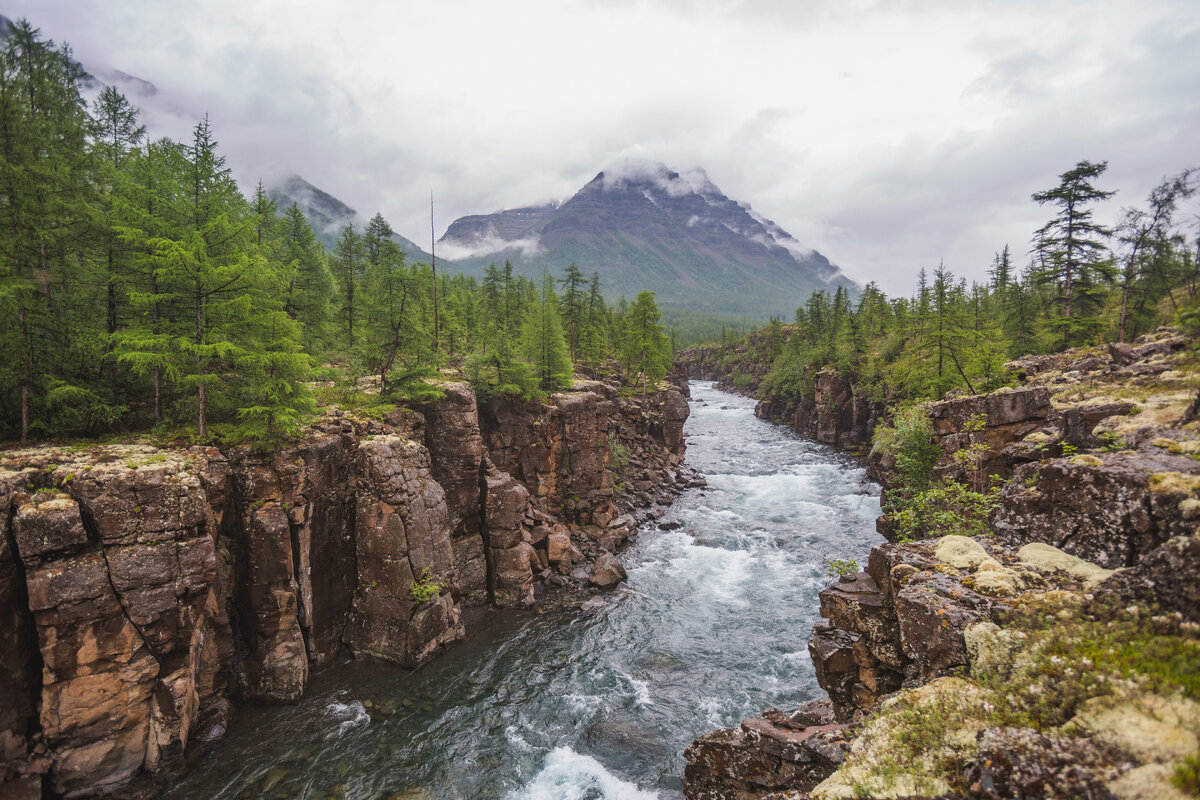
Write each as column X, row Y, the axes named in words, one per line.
column 1148, row 242
column 348, row 267
column 42, row 194
column 644, row 342
column 542, row 340
column 1071, row 248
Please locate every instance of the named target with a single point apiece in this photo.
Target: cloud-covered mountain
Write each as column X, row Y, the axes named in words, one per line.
column 643, row 226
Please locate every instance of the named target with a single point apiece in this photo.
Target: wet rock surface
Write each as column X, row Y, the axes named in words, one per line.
column 145, row 592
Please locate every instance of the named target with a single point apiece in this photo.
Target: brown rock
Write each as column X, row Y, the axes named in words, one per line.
column 1098, row 507
column 933, row 611
column 760, row 757
column 456, row 449
column 606, row 571
column 402, row 531
column 1020, row 762
column 1167, row 579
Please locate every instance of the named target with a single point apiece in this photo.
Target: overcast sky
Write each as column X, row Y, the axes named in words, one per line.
column 887, row 135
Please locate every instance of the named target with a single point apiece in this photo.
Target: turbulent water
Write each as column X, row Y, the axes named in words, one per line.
column 712, row 628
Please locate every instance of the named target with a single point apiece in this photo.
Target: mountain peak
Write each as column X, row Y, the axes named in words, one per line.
column 643, row 225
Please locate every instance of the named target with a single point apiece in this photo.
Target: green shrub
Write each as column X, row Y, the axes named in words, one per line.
column 946, row 509
column 619, row 456
column 425, row 588
column 909, row 441
column 836, row 568
column 1187, row 775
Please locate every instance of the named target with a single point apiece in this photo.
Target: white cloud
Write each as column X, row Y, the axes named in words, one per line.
column 486, row 244
column 886, row 135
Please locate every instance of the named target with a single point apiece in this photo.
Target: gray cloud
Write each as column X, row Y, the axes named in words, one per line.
column 887, row 135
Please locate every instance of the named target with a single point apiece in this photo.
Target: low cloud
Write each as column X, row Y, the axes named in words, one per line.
column 488, row 243
column 633, row 170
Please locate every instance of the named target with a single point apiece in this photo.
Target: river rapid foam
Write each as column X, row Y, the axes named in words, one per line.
column 711, row 628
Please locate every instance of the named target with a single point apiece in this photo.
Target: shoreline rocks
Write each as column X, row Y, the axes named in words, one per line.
column 1099, row 512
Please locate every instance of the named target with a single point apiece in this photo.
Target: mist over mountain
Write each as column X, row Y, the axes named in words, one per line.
column 328, row 215
column 642, row 225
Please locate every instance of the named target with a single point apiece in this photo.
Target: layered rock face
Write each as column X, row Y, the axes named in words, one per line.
column 144, row 590
column 1097, row 519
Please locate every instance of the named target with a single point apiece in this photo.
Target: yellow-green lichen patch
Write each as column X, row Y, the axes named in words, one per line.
column 53, row 501
column 991, row 650
column 1174, row 483
column 1045, row 558
column 996, row 580
column 1147, row 782
column 913, row 746
column 1046, row 665
column 1147, row 728
column 962, row 552
column 1086, row 460
column 1189, row 508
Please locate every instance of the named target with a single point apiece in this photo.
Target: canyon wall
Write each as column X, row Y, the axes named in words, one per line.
column 1097, row 453
column 145, row 591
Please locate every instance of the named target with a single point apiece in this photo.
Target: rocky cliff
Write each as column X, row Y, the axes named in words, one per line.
column 836, row 410
column 1055, row 657
column 145, row 591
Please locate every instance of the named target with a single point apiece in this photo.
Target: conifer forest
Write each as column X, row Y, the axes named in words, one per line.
column 143, row 289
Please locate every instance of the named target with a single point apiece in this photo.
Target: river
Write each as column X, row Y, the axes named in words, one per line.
column 712, row 627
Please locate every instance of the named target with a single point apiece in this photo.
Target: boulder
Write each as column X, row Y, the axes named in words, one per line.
column 1167, row 579
column 763, row 755
column 1108, row 508
column 606, row 571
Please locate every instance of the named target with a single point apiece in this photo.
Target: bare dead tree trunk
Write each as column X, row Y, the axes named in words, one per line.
column 433, row 265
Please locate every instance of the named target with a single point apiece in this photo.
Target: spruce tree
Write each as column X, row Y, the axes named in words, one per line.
column 574, row 309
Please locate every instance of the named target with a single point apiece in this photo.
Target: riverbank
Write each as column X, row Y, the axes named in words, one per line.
column 1055, row 654
column 601, row 702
